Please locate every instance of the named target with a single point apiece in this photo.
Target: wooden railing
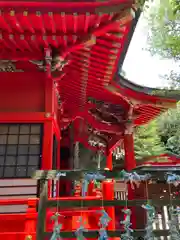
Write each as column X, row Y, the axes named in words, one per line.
column 19, row 226
column 120, row 195
column 11, row 189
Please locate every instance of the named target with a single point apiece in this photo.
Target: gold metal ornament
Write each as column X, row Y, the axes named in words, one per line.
column 28, row 237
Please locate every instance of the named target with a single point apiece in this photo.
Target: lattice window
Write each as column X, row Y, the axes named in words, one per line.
column 20, row 150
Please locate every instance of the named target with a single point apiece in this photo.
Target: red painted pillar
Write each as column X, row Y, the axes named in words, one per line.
column 91, row 189
column 47, row 150
column 31, row 219
column 108, row 194
column 109, row 162
column 130, row 163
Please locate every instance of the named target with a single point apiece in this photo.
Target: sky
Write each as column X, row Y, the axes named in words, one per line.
column 140, row 66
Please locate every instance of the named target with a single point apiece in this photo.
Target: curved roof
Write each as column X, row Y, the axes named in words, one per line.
column 88, row 41
column 160, row 93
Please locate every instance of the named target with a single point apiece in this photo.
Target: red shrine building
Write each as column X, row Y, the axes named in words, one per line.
column 60, row 84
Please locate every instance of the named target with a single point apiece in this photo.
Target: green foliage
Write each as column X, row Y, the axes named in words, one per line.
column 174, row 80
column 164, row 23
column 147, row 141
column 169, row 130
column 164, row 35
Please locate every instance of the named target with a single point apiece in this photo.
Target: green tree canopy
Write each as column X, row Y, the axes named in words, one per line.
column 147, row 141
column 169, row 130
column 164, row 23
column 164, row 34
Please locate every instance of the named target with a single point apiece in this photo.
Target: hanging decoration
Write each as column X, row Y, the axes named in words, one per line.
column 57, row 227
column 134, row 178
column 174, row 213
column 127, row 223
column 103, row 234
column 88, row 177
column 104, row 219
column 118, row 153
column 174, row 223
column 103, row 223
column 79, row 232
column 173, row 178
column 150, row 211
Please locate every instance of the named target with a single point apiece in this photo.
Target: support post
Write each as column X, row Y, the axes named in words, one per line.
column 41, row 224
column 30, row 224
column 130, row 163
column 47, row 153
column 109, row 162
column 108, row 193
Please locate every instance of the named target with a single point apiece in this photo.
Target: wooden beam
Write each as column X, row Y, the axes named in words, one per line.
column 67, row 7
column 115, row 174
column 107, row 203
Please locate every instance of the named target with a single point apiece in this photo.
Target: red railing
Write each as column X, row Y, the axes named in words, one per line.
column 22, row 226
column 19, row 226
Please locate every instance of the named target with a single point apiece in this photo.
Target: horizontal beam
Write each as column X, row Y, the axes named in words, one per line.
column 77, row 174
column 67, row 7
column 108, row 203
column 23, row 117
column 6, row 202
column 95, row 234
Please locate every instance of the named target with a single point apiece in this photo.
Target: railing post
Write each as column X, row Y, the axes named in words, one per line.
column 108, row 194
column 130, row 163
column 41, row 220
column 31, row 219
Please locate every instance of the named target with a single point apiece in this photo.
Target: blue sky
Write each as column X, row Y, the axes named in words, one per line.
column 140, row 66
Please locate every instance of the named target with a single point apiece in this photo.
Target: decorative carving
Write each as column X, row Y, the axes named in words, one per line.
column 8, row 66
column 108, row 107
column 96, row 138
column 56, row 61
column 97, row 141
column 129, row 128
column 107, row 113
column 57, row 64
column 105, row 117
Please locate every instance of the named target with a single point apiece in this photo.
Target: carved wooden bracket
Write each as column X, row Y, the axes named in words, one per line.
column 129, row 128
column 8, row 66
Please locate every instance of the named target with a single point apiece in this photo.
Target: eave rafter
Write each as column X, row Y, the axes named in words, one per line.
column 86, row 45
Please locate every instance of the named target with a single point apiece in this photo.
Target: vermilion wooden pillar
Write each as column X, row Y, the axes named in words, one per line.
column 108, row 193
column 109, row 162
column 130, row 163
column 48, row 131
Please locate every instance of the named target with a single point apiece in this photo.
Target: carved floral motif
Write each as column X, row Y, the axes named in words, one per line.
column 8, row 66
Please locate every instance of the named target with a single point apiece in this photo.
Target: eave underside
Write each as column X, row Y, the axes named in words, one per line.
column 87, row 45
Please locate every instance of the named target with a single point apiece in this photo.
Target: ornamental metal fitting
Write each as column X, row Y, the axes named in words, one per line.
column 28, row 237
column 48, row 56
column 129, row 128
column 47, row 115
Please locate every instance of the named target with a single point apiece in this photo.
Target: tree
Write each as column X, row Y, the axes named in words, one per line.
column 164, row 23
column 164, row 34
column 169, row 130
column 147, row 141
